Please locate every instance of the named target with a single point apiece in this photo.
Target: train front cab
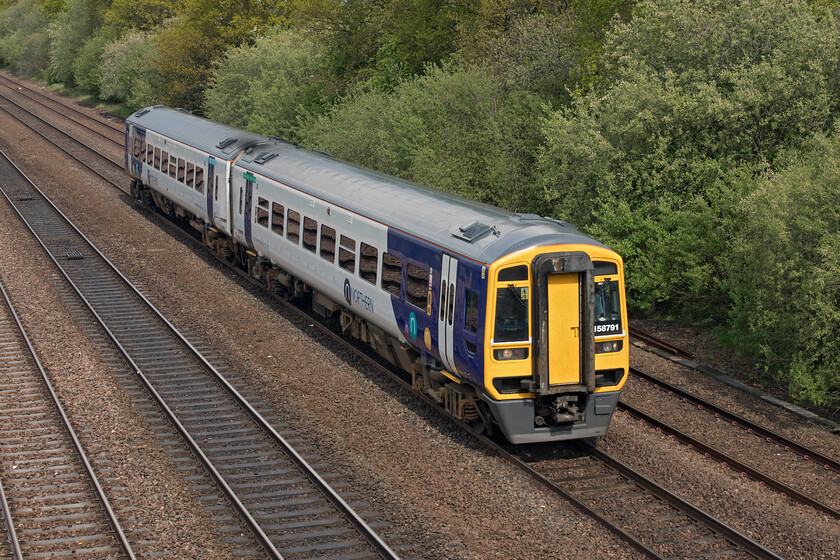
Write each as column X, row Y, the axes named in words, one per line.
column 557, row 355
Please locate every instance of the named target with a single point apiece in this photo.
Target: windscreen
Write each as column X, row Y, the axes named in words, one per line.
column 607, row 308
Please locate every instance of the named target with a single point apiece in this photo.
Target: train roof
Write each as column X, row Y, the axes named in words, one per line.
column 478, row 231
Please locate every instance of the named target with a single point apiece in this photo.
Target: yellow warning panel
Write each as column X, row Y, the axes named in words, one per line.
column 564, row 329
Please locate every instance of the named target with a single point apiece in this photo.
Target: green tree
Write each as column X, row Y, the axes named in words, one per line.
column 266, row 87
column 68, row 32
column 140, row 15
column 784, row 273
column 128, row 71
column 87, row 68
column 349, row 29
column 186, row 49
column 24, row 40
column 667, row 147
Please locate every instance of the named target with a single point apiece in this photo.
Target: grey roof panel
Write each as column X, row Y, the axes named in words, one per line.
column 423, row 212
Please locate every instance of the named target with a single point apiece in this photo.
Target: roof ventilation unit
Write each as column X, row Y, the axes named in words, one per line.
column 473, row 231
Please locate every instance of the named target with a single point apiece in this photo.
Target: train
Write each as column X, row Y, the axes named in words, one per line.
column 514, row 323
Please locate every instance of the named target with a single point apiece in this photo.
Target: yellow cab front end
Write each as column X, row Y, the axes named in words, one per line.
column 557, row 347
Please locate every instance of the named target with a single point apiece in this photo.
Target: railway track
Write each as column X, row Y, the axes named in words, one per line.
column 669, row 526
column 809, row 454
column 113, row 169
column 824, row 468
column 112, row 133
column 656, row 342
column 52, row 501
column 290, row 509
column 702, row 530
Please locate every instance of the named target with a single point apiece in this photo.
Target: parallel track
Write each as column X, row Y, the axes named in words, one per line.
column 749, row 426
column 725, row 537
column 827, row 463
column 288, row 506
column 112, row 133
column 651, row 340
column 52, row 502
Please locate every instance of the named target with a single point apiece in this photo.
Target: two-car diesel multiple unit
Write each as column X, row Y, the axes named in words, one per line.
column 512, row 322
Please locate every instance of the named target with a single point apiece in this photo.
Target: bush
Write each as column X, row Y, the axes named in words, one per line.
column 268, row 86
column 87, row 68
column 128, row 71
column 784, row 273
column 455, row 129
column 68, row 32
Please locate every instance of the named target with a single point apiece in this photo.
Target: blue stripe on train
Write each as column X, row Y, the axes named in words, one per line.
column 418, row 325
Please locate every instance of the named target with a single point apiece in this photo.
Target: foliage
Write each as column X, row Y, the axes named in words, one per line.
column 348, row 29
column 550, row 48
column 24, row 43
column 380, row 42
column 140, row 15
column 267, row 87
column 87, row 68
column 534, row 54
column 68, row 32
column 186, row 49
column 784, row 272
column 453, row 128
column 128, row 73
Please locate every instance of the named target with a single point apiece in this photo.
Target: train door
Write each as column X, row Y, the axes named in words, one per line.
column 564, row 346
column 137, row 147
column 564, row 328
column 250, row 180
column 211, row 192
column 446, row 312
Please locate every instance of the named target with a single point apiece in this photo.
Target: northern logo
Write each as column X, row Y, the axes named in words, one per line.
column 348, row 292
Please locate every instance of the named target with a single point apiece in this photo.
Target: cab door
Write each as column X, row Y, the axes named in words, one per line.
column 564, row 328
column 446, row 312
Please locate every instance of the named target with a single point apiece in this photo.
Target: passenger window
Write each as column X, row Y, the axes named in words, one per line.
column 136, row 151
column 347, row 254
column 471, row 312
column 150, row 154
column 417, row 286
column 277, row 211
column 368, row 263
column 190, row 175
column 293, row 227
column 262, row 212
column 173, row 167
column 164, row 162
column 310, row 234
column 199, row 179
column 157, row 159
column 182, row 167
column 391, row 274
column 328, row 243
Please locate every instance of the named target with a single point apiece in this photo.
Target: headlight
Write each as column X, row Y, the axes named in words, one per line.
column 611, row 346
column 510, row 354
